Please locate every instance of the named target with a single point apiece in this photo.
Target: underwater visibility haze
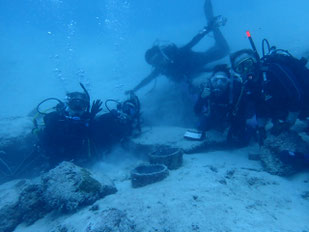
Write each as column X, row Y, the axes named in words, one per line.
column 49, row 48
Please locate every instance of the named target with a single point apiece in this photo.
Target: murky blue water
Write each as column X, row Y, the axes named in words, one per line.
column 48, row 46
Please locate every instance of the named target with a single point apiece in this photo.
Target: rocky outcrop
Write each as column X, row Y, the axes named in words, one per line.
column 273, row 145
column 67, row 187
column 20, row 201
column 31, row 204
column 64, row 188
column 8, row 203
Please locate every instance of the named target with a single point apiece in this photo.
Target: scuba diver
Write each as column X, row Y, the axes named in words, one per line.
column 277, row 85
column 62, row 134
column 74, row 131
column 66, row 132
column 182, row 64
column 117, row 124
column 222, row 104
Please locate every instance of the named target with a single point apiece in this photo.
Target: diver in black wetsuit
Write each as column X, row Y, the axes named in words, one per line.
column 222, row 104
column 66, row 132
column 181, row 63
column 276, row 84
column 73, row 131
column 111, row 128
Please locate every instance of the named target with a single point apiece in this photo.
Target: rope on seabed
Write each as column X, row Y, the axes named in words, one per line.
column 23, row 165
column 8, row 168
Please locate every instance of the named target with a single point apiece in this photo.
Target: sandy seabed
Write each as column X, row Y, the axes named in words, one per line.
column 215, row 191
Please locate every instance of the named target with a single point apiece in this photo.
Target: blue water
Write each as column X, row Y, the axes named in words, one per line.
column 48, row 46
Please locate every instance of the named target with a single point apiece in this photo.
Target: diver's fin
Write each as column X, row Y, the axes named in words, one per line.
column 208, row 10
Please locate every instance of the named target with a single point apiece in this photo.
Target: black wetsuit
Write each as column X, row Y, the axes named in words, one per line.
column 185, row 63
column 280, row 89
column 112, row 127
column 109, row 129
column 65, row 137
column 230, row 110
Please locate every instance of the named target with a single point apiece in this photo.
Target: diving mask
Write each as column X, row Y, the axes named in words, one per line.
column 245, row 66
column 77, row 102
column 219, row 80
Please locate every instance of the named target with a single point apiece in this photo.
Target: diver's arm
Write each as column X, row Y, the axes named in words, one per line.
column 196, row 39
column 201, row 106
column 147, row 80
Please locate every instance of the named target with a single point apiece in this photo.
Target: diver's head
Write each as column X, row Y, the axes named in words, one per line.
column 130, row 109
column 244, row 62
column 160, row 55
column 152, row 55
column 77, row 103
column 220, row 80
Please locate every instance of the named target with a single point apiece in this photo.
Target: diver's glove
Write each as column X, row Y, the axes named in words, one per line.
column 217, row 21
column 95, row 108
column 120, row 116
column 205, row 91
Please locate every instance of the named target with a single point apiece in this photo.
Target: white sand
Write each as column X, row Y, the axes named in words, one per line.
column 202, row 196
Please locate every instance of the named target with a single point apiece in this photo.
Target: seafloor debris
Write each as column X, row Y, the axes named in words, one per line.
column 169, row 156
column 147, row 174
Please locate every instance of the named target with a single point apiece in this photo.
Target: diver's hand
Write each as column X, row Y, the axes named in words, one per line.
column 205, row 90
column 95, row 108
column 205, row 93
column 216, row 22
column 120, row 116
